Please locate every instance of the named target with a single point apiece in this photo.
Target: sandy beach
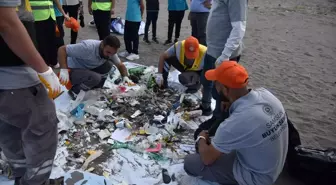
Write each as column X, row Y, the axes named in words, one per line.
column 290, row 50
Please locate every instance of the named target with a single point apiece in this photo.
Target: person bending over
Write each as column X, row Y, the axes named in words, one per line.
column 87, row 64
column 186, row 56
column 250, row 146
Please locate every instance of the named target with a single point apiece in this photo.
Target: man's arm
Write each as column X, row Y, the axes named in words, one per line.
column 164, row 56
column 142, row 7
column 237, row 12
column 207, row 152
column 59, row 7
column 122, row 69
column 19, row 40
column 89, row 7
column 62, row 57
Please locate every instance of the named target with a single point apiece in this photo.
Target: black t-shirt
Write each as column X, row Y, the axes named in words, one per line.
column 152, row 5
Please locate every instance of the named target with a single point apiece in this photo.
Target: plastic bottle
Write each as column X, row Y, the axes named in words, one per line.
column 137, row 71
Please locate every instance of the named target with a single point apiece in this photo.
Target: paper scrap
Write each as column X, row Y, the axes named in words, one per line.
column 137, row 113
column 104, row 134
column 91, row 158
column 121, row 135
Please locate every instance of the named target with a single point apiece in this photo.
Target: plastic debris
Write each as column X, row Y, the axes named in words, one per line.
column 104, row 134
column 91, row 158
column 137, row 113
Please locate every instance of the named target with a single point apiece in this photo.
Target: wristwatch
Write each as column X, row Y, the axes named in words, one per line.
column 200, row 137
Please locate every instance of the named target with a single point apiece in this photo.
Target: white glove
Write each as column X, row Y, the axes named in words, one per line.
column 127, row 80
column 51, row 82
column 64, row 76
column 220, row 60
column 159, row 79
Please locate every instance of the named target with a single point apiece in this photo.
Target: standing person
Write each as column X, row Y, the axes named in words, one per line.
column 59, row 22
column 152, row 12
column 102, row 11
column 176, row 9
column 71, row 7
column 250, row 147
column 225, row 31
column 45, row 26
column 134, row 14
column 199, row 12
column 28, row 121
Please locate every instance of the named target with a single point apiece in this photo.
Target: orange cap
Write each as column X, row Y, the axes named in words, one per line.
column 72, row 23
column 229, row 73
column 191, row 47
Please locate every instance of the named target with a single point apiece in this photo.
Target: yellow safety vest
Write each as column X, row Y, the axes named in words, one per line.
column 42, row 9
column 104, row 5
column 198, row 63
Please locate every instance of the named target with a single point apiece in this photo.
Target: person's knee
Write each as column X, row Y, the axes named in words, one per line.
column 189, row 161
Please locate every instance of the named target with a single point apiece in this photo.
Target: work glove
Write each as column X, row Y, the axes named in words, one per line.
column 64, row 76
column 220, row 60
column 159, row 79
column 127, row 81
column 51, row 82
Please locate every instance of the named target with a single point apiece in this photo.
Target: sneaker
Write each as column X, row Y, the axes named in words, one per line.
column 56, row 66
column 124, row 54
column 72, row 94
column 155, row 40
column 167, row 42
column 146, row 40
column 133, row 56
column 176, row 40
column 205, row 112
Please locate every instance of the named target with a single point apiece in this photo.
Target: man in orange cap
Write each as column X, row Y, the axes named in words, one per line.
column 250, row 146
column 186, row 56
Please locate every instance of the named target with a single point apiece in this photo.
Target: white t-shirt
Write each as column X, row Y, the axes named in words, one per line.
column 70, row 2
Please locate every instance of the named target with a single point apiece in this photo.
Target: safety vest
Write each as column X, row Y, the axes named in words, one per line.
column 42, row 9
column 104, row 5
column 8, row 57
column 198, row 63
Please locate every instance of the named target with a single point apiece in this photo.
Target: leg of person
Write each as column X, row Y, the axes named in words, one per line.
column 209, row 63
column 127, row 37
column 135, row 39
column 154, row 23
column 65, row 8
column 37, row 123
column 148, row 22
column 42, row 43
column 106, row 23
column 50, row 33
column 193, row 23
column 202, row 19
column 73, row 12
column 191, row 80
column 98, row 22
column 60, row 38
column 83, row 79
column 179, row 18
column 221, row 171
column 170, row 26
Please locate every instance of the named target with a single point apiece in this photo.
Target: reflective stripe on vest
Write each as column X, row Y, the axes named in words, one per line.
column 42, row 9
column 198, row 63
column 104, row 5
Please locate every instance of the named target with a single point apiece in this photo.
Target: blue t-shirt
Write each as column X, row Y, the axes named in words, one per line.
column 257, row 131
column 177, row 5
column 57, row 12
column 197, row 6
column 133, row 12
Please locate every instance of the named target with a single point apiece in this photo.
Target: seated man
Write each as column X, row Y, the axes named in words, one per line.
column 186, row 56
column 250, row 146
column 89, row 63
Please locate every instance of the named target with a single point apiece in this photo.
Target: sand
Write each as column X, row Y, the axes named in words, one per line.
column 290, row 50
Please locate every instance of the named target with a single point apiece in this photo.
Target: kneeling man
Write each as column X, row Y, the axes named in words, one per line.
column 250, row 146
column 87, row 64
column 186, row 56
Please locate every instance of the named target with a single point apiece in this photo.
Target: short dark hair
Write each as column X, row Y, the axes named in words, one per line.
column 111, row 41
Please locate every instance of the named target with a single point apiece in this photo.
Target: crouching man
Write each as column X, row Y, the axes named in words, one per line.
column 250, row 146
column 87, row 64
column 186, row 56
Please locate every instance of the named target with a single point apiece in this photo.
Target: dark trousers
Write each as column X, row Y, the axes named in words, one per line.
column 28, row 133
column 72, row 10
column 198, row 23
column 209, row 90
column 60, row 37
column 102, row 21
column 175, row 18
column 190, row 79
column 46, row 40
column 131, row 36
column 152, row 17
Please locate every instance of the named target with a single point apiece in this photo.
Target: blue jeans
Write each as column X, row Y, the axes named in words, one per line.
column 209, row 91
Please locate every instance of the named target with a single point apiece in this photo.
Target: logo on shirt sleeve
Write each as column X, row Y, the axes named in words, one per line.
column 268, row 110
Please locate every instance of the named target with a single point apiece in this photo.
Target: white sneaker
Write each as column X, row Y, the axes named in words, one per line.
column 133, row 56
column 124, row 54
column 56, row 66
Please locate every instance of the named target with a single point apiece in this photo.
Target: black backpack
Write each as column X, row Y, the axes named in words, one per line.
column 311, row 166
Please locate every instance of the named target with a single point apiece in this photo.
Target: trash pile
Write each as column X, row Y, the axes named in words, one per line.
column 130, row 134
